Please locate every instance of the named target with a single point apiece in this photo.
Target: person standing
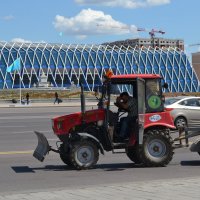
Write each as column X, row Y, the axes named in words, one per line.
column 56, row 98
column 27, row 98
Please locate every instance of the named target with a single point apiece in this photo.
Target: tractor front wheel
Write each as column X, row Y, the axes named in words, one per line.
column 84, row 154
column 64, row 156
column 157, row 150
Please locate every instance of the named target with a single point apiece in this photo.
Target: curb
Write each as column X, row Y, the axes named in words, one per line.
column 46, row 105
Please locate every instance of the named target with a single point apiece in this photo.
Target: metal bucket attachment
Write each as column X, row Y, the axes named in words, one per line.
column 42, row 148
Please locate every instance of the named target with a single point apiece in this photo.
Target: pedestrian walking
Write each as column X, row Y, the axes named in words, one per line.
column 56, row 98
column 27, row 98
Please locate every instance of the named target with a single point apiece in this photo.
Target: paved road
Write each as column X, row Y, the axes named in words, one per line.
column 180, row 189
column 23, row 177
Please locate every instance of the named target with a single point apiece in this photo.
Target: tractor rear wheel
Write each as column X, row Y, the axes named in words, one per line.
column 84, row 154
column 132, row 154
column 157, row 149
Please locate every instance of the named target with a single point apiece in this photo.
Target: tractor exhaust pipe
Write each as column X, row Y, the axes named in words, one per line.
column 82, row 96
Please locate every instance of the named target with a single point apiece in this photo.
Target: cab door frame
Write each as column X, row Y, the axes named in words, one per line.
column 141, row 99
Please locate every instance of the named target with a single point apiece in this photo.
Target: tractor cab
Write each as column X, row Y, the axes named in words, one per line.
column 146, row 92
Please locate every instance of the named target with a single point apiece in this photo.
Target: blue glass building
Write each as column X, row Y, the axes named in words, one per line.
column 64, row 64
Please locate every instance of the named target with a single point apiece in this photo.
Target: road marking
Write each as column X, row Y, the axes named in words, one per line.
column 32, row 131
column 12, row 126
column 16, row 152
column 28, row 117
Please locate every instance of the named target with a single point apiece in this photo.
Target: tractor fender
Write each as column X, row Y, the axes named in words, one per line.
column 94, row 139
column 195, row 147
column 160, row 124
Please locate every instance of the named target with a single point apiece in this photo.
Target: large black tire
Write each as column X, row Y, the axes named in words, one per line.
column 84, row 154
column 157, row 149
column 66, row 159
column 180, row 122
column 65, row 156
column 132, row 154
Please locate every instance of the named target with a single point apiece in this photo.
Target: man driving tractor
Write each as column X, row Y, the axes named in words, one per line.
column 128, row 104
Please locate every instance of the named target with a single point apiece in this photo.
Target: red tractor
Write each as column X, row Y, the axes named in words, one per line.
column 84, row 134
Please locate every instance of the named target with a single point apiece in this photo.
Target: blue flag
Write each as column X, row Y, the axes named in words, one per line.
column 16, row 65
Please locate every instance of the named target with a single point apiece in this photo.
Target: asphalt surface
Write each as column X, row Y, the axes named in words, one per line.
column 114, row 177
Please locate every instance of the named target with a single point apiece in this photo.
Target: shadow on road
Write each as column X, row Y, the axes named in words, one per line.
column 190, row 163
column 104, row 167
column 27, row 169
column 116, row 166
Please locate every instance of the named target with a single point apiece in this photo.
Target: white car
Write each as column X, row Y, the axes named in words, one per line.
column 185, row 110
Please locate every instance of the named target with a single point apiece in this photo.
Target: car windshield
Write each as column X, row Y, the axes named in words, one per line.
column 169, row 101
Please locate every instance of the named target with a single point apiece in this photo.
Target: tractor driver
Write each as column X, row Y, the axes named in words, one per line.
column 129, row 104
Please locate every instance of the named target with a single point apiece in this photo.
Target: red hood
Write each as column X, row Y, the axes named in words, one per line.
column 63, row 124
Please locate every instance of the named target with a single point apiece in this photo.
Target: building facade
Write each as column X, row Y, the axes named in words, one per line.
column 150, row 42
column 196, row 63
column 66, row 64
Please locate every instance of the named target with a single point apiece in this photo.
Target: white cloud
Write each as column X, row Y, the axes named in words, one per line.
column 157, row 2
column 124, row 3
column 21, row 40
column 8, row 17
column 91, row 22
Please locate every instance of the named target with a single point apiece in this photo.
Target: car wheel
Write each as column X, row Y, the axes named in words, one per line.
column 180, row 122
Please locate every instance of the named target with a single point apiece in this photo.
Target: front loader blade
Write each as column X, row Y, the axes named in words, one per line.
column 42, row 148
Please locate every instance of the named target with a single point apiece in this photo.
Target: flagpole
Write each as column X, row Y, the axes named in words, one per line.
column 20, row 83
column 20, row 92
column 16, row 66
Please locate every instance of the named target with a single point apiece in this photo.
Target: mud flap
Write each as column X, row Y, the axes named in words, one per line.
column 42, row 148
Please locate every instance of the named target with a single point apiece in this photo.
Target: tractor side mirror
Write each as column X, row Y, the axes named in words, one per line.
column 163, row 98
column 165, row 85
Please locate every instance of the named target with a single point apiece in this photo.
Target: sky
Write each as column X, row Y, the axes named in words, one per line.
column 99, row 21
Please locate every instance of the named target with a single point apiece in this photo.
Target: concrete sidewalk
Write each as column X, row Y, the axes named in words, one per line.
column 48, row 104
column 179, row 189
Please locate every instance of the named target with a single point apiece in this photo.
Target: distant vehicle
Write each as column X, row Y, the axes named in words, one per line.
column 184, row 110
